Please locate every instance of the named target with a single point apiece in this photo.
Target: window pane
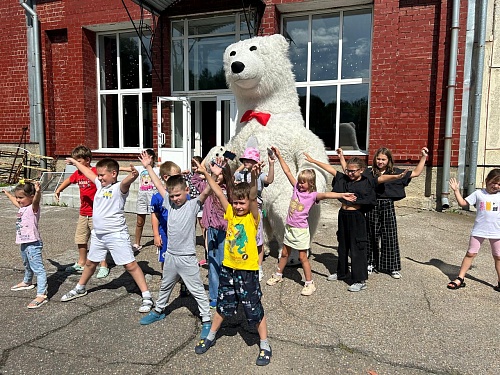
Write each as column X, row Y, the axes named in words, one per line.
column 325, row 47
column 356, row 44
column 302, row 92
column 247, row 22
column 206, row 70
column 322, row 114
column 177, row 28
column 129, row 60
column 109, row 121
column 131, row 121
column 353, row 117
column 212, row 25
column 177, row 127
column 107, row 62
column 177, row 65
column 297, row 31
column 147, row 120
column 147, row 67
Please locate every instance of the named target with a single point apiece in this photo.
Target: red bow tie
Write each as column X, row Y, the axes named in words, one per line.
column 261, row 117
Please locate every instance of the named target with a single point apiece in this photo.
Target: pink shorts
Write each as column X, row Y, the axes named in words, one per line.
column 475, row 244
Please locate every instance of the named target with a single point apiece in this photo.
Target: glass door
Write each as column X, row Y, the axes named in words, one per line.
column 226, row 118
column 174, row 130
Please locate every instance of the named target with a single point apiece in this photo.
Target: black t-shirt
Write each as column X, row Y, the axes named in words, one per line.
column 394, row 190
column 364, row 189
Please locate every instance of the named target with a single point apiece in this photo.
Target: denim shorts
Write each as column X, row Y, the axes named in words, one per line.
column 240, row 286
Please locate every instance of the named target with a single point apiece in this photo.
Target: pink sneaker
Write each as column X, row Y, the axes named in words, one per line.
column 202, row 262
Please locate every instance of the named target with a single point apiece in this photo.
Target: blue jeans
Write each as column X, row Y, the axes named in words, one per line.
column 215, row 241
column 33, row 265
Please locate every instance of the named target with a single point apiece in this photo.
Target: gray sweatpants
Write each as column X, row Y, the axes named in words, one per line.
column 187, row 268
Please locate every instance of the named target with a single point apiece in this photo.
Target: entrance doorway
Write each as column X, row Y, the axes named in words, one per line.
column 189, row 126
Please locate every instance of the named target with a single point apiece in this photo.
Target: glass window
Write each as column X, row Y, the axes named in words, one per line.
column 296, row 30
column 206, row 71
column 125, row 93
column 206, row 40
column 331, row 53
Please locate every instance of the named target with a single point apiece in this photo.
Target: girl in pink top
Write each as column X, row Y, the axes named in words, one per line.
column 27, row 198
column 297, row 228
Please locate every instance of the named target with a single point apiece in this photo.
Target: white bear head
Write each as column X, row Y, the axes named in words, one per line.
column 258, row 69
column 215, row 152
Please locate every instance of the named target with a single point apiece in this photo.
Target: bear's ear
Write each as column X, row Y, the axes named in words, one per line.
column 278, row 40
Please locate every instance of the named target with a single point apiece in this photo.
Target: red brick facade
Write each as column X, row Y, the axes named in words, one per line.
column 408, row 80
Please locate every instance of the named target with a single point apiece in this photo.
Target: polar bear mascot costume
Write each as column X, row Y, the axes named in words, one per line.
column 259, row 73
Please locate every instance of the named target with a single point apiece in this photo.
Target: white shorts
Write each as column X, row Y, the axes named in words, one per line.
column 297, row 238
column 118, row 244
column 143, row 204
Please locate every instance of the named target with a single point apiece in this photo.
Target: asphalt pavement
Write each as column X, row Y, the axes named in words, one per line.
column 413, row 325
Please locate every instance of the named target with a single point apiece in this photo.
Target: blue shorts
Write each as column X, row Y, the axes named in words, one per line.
column 237, row 286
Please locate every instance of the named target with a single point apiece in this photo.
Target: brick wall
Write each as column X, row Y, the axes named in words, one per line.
column 409, row 77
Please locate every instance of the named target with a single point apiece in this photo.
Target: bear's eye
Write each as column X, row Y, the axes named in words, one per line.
column 253, row 48
column 232, row 53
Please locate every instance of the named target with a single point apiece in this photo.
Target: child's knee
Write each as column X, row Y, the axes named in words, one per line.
column 132, row 266
column 470, row 255
column 141, row 219
column 90, row 264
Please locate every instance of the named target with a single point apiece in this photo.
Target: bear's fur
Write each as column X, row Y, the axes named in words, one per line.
column 259, row 72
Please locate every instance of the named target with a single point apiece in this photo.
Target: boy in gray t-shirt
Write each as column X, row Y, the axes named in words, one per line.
column 180, row 259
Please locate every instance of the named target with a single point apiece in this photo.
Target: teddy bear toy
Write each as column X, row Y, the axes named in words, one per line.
column 259, row 73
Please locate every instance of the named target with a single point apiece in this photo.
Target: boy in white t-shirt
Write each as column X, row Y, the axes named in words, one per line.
column 110, row 228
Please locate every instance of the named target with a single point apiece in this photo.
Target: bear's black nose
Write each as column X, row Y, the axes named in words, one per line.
column 237, row 67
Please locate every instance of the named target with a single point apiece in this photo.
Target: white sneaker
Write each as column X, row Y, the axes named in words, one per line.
column 395, row 274
column 275, row 279
column 371, row 269
column 308, row 289
column 356, row 287
column 147, row 305
column 73, row 293
column 335, row 277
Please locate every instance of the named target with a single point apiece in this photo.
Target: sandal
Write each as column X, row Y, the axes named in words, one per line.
column 35, row 304
column 453, row 284
column 22, row 286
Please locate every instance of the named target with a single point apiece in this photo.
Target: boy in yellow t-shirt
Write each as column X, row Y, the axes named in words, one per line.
column 239, row 275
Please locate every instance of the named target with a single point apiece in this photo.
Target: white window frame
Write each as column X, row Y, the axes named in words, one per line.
column 120, row 94
column 339, row 82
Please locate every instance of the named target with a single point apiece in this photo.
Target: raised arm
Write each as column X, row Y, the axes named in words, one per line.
column 455, row 186
column 35, row 204
column 421, row 164
column 391, row 177
column 89, row 173
column 284, row 166
column 12, row 198
column 131, row 177
column 327, row 167
column 270, row 174
column 351, row 197
column 254, row 205
column 212, row 184
column 343, row 162
column 146, row 161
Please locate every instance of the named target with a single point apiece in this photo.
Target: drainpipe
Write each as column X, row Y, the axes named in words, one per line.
column 39, row 123
column 478, row 94
column 450, row 103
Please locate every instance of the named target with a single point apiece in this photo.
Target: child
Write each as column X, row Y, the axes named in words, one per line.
column 84, row 226
column 297, row 228
column 381, row 219
column 193, row 193
column 159, row 218
column 486, row 225
column 110, row 229
column 352, row 234
column 27, row 198
column 213, row 220
column 180, row 257
column 250, row 157
column 144, row 195
column 239, row 276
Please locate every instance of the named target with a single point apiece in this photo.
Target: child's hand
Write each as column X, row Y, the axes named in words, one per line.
column 276, row 151
column 308, row 157
column 256, row 170
column 340, row 152
column 70, row 161
column 402, row 174
column 454, row 184
column 57, row 196
column 157, row 241
column 351, row 197
column 145, row 159
column 37, row 186
column 424, row 151
column 199, row 167
column 133, row 172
